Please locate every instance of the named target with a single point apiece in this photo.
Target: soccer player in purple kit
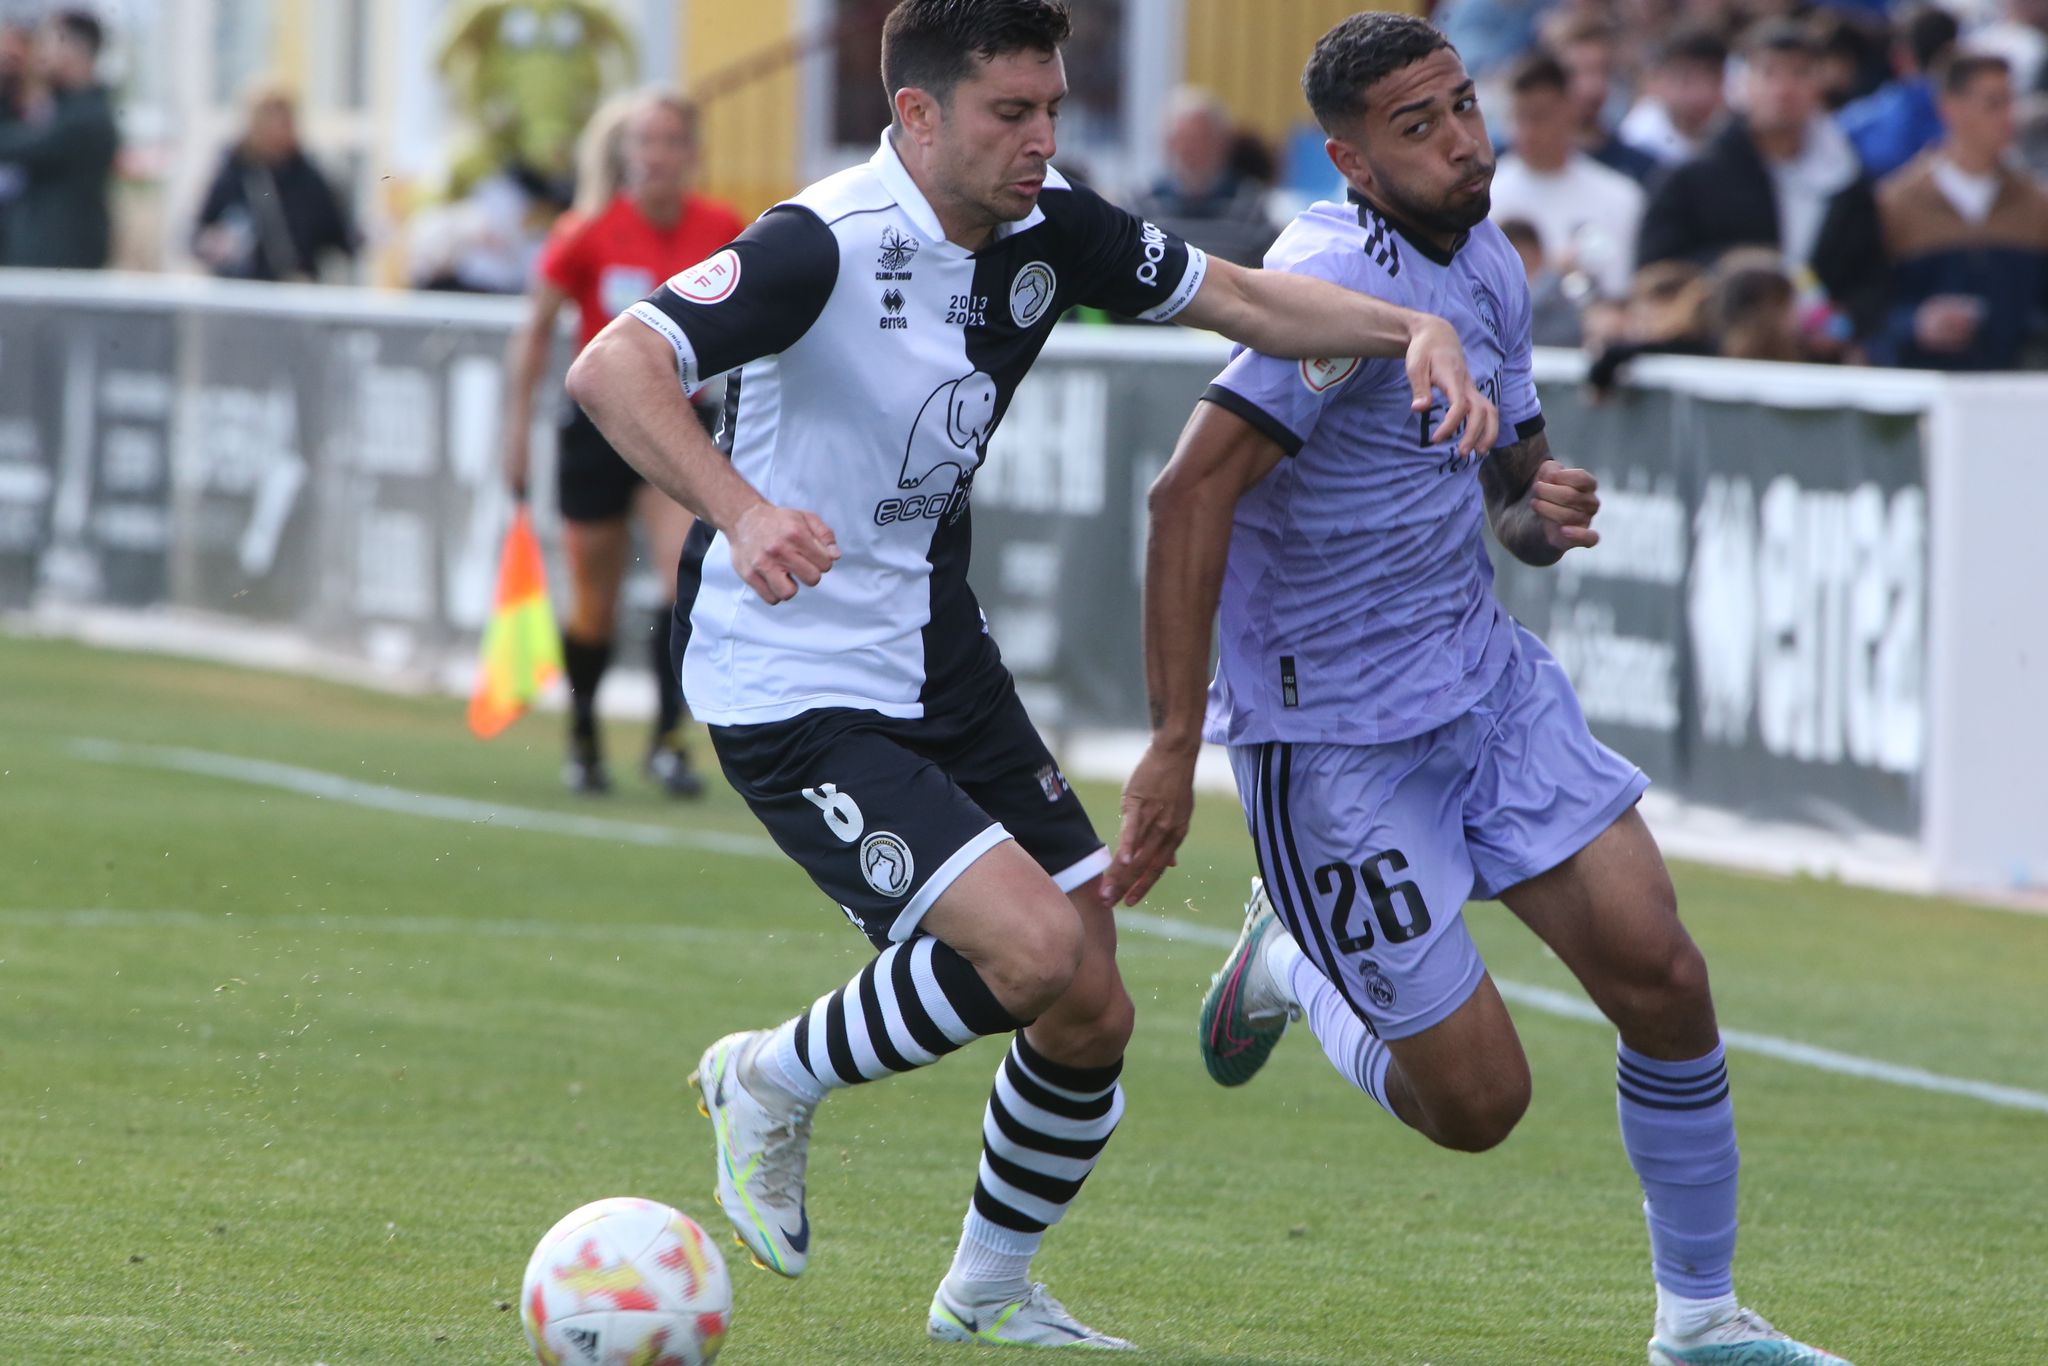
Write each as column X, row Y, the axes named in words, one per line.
column 1400, row 743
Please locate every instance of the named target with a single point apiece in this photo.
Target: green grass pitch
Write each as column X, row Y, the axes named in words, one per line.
column 285, row 1079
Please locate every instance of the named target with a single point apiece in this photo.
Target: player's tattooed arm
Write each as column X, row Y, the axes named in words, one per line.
column 1538, row 507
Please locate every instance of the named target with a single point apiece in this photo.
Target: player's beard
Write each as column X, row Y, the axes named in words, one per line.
column 1449, row 213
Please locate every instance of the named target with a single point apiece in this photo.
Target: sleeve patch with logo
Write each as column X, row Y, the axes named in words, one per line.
column 1325, row 374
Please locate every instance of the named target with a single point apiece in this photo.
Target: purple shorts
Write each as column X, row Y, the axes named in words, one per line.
column 1369, row 852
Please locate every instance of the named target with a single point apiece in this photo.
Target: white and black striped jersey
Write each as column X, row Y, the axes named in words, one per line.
column 870, row 360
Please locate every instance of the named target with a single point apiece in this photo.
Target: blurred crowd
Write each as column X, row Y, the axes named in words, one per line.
column 1849, row 181
column 1854, row 182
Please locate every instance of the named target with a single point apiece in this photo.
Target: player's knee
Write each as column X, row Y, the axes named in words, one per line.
column 1036, row 960
column 1112, row 1028
column 1484, row 1118
column 1666, row 985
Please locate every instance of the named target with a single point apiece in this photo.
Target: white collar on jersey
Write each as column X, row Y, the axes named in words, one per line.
column 895, row 178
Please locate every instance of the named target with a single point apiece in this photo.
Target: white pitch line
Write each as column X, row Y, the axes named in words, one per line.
column 114, row 918
column 315, row 783
column 311, row 782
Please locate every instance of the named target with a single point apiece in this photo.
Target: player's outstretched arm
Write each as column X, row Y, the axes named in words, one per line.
column 1220, row 455
column 1301, row 317
column 1538, row 507
column 626, row 379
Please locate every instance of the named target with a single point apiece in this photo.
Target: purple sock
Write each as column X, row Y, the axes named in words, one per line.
column 1678, row 1126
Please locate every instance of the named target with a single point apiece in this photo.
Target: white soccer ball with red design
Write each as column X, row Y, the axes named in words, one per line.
column 626, row 1282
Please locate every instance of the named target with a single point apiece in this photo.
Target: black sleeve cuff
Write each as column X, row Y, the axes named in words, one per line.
column 1230, row 401
column 1528, row 427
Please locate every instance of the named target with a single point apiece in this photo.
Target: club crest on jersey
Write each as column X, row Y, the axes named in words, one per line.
column 1487, row 307
column 897, row 249
column 1031, row 293
column 1327, row 373
column 951, row 433
column 886, row 863
column 709, row 282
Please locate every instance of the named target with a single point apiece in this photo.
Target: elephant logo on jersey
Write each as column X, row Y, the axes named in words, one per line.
column 951, row 432
column 1031, row 293
column 886, row 863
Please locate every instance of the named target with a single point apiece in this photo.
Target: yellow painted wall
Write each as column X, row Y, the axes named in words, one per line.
column 1249, row 53
column 750, row 134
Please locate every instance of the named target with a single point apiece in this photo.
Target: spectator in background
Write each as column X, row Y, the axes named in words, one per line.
column 1665, row 314
column 1682, row 99
column 1753, row 309
column 1489, row 34
column 64, row 154
column 1894, row 124
column 1779, row 174
column 2020, row 35
column 1589, row 49
column 1585, row 213
column 17, row 58
column 1967, row 234
column 1202, row 198
column 1854, row 56
column 1553, row 311
column 270, row 214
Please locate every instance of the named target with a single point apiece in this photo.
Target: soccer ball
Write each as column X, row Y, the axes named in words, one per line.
column 626, row 1282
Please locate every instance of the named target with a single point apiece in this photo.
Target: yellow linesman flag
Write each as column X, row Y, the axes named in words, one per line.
column 522, row 651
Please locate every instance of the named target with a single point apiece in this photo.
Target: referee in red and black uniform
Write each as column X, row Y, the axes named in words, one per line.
column 636, row 222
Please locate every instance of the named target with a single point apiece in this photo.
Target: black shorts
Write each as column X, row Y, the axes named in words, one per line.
column 593, row 482
column 885, row 813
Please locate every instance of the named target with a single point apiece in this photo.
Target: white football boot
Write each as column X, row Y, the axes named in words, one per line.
column 1741, row 1339
column 764, row 1140
column 1035, row 1320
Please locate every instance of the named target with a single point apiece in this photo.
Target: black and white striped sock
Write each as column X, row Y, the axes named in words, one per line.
column 911, row 1006
column 1045, row 1126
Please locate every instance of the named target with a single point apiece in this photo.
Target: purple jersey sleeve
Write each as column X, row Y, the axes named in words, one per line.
column 1520, row 412
column 1284, row 399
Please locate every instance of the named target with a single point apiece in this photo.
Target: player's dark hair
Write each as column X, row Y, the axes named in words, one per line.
column 1958, row 71
column 932, row 44
column 1359, row 52
column 1538, row 70
column 1692, row 43
column 81, row 27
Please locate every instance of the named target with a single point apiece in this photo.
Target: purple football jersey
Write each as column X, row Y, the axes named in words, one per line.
column 1358, row 602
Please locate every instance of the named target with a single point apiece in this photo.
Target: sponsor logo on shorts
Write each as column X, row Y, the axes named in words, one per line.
column 1377, row 984
column 886, row 863
column 1031, row 293
column 709, row 282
